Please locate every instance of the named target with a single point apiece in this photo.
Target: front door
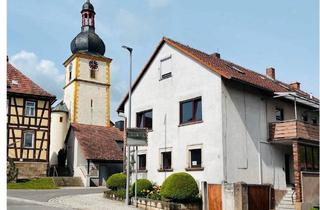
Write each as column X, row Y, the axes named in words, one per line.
column 288, row 168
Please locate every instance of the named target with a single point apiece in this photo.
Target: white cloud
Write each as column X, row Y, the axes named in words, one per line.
column 157, row 3
column 41, row 71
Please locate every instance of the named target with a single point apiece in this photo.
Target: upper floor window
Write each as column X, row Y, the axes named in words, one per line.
column 279, row 114
column 142, row 162
column 70, row 71
column 144, row 119
column 304, row 117
column 93, row 68
column 165, row 67
column 30, row 108
column 92, row 73
column 28, row 139
column 191, row 110
column 314, row 120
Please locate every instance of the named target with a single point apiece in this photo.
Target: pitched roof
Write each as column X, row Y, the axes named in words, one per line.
column 226, row 69
column 17, row 82
column 99, row 142
column 60, row 107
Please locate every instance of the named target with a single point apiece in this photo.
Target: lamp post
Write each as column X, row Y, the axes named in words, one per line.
column 129, row 126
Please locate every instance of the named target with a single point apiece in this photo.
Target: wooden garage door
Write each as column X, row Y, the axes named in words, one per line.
column 214, row 197
column 259, row 197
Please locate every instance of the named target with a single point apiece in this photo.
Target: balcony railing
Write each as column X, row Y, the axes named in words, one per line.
column 293, row 130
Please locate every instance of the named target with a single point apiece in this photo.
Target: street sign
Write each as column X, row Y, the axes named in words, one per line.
column 137, row 137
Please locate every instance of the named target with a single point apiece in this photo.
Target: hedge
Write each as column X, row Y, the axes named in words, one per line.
column 143, row 186
column 117, row 181
column 179, row 187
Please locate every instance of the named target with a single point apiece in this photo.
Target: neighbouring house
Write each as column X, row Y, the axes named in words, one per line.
column 222, row 122
column 28, row 124
column 81, row 121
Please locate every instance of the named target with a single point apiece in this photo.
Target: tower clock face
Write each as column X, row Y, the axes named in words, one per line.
column 93, row 65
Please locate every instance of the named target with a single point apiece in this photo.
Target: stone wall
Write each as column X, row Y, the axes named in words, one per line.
column 27, row 170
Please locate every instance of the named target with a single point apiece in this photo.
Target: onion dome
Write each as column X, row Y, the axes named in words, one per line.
column 87, row 41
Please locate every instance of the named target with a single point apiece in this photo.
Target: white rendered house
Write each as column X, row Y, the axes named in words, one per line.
column 219, row 121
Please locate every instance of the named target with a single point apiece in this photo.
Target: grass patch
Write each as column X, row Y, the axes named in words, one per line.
column 41, row 183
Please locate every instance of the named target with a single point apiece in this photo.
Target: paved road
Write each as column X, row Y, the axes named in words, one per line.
column 37, row 199
column 46, row 195
column 61, row 199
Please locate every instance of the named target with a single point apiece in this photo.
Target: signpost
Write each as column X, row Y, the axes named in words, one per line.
column 136, row 137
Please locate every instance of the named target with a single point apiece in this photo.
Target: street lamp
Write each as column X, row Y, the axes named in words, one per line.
column 129, row 125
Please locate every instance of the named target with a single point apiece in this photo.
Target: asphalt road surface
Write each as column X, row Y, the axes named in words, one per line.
column 37, row 199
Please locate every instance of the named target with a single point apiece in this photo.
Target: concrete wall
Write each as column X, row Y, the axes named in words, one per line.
column 163, row 97
column 58, row 134
column 75, row 159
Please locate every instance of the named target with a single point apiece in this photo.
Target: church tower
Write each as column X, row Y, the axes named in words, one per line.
column 87, row 75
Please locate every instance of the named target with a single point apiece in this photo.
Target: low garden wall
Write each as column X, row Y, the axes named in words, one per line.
column 149, row 204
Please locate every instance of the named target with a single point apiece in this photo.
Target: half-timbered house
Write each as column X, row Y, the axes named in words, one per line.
column 28, row 124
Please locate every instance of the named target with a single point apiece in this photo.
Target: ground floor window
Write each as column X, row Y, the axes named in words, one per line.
column 142, row 162
column 165, row 160
column 308, row 158
column 195, row 158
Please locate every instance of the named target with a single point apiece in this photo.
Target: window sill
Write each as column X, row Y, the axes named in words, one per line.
column 165, row 170
column 142, row 171
column 190, row 123
column 195, row 169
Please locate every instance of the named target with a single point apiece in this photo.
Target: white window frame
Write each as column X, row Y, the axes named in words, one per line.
column 30, row 107
column 24, row 139
column 193, row 147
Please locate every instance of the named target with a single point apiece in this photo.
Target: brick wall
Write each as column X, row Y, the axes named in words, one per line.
column 297, row 179
column 31, row 169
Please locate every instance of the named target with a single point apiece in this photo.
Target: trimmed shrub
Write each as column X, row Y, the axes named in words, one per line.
column 120, row 193
column 179, row 187
column 144, row 185
column 117, row 181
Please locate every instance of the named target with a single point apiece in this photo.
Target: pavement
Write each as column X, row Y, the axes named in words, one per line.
column 64, row 198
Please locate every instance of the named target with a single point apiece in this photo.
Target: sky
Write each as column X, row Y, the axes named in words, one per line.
column 254, row 34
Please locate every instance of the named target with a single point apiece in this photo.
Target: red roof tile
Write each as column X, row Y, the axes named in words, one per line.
column 99, row 142
column 17, row 82
column 224, row 68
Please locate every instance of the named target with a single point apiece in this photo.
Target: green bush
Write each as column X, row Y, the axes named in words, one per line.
column 117, row 181
column 144, row 186
column 120, row 193
column 179, row 187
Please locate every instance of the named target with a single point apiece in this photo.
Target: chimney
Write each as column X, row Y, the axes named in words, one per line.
column 295, row 85
column 216, row 55
column 271, row 72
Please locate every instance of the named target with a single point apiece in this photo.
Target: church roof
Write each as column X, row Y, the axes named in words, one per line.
column 19, row 83
column 99, row 142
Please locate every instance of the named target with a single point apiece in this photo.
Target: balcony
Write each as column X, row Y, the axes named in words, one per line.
column 287, row 131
